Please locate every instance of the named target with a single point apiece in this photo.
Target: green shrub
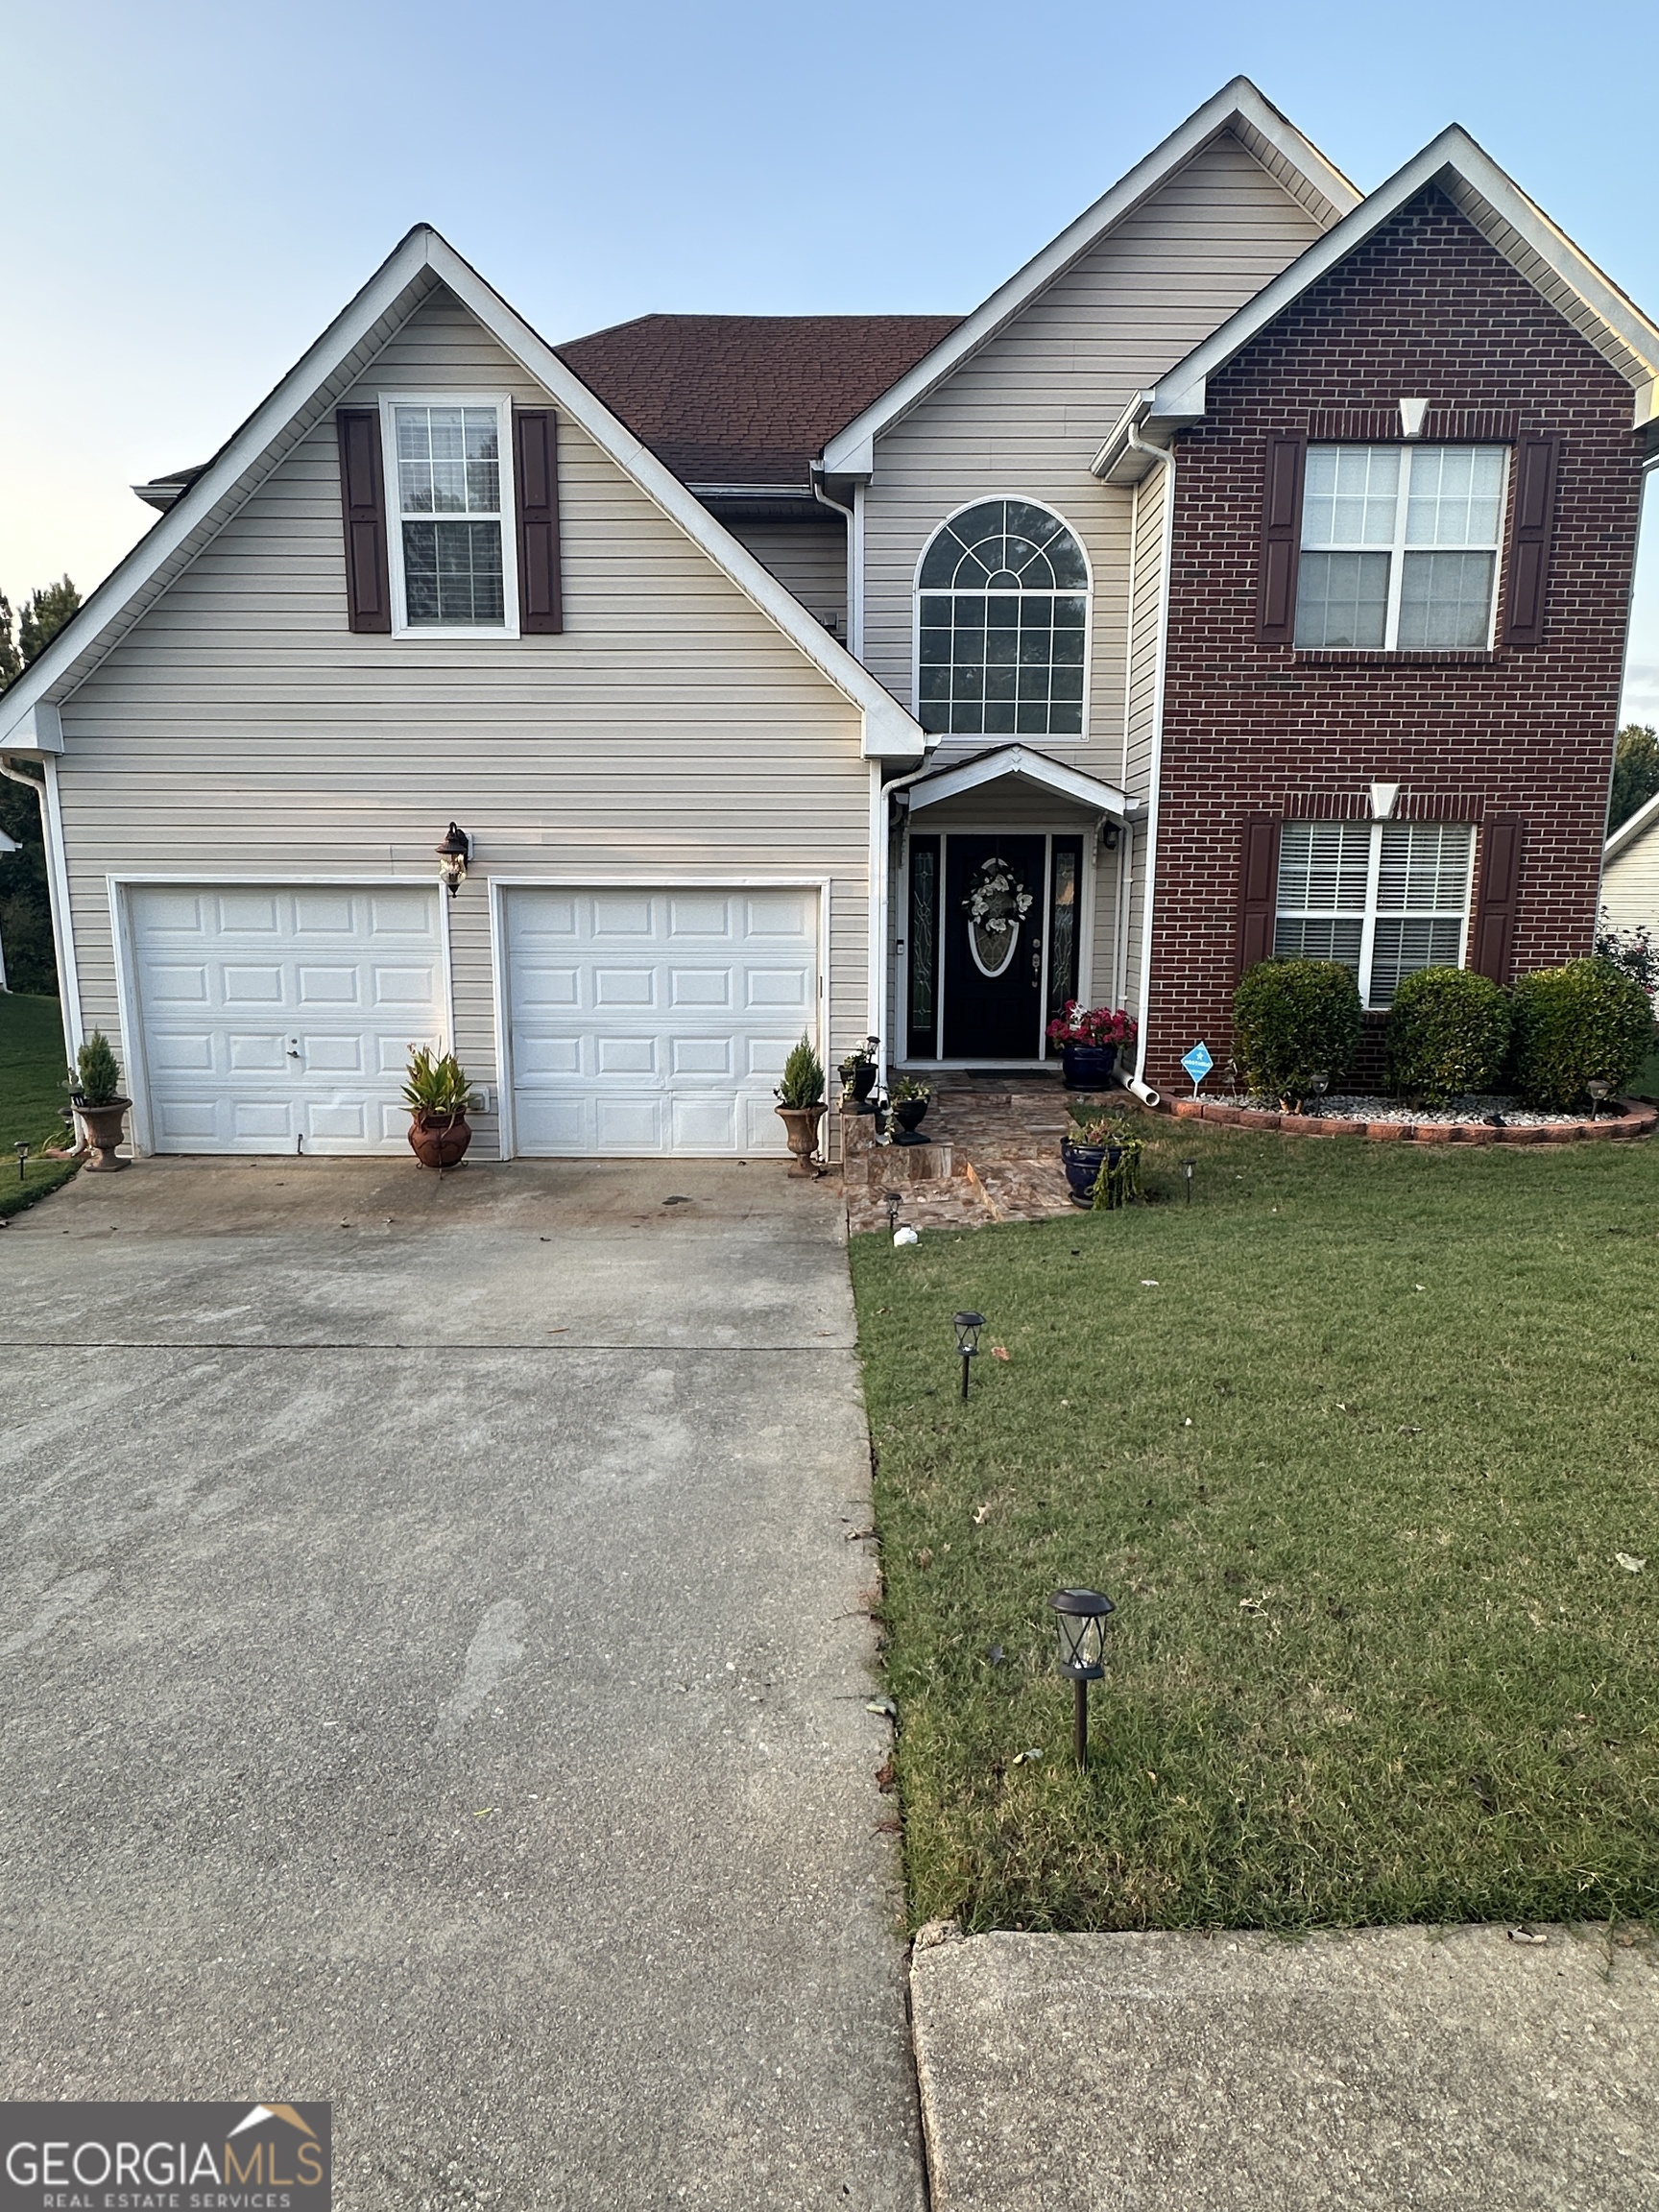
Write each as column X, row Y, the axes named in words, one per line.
column 1449, row 1032
column 1295, row 1025
column 1575, row 1025
column 803, row 1083
column 95, row 1079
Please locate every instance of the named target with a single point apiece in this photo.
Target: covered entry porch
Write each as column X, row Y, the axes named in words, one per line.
column 1010, row 897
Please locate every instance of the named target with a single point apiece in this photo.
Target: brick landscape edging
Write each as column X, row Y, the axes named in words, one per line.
column 1634, row 1118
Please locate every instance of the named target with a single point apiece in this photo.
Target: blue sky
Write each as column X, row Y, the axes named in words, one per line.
column 192, row 191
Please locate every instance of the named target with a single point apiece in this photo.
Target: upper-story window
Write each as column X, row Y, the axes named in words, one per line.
column 1400, row 546
column 1002, row 604
column 451, row 536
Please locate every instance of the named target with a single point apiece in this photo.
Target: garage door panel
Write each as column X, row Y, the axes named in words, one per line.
column 291, row 1023
column 674, row 1047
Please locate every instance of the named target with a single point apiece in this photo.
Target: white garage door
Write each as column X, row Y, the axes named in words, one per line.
column 271, row 1015
column 655, row 1020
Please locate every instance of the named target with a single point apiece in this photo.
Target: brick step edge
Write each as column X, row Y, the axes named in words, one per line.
column 1635, row 1119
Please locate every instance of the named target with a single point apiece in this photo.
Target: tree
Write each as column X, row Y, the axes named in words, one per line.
column 25, row 906
column 1635, row 772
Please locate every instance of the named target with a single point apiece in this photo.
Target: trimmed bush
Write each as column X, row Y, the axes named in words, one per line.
column 1575, row 1025
column 1295, row 1024
column 1449, row 1032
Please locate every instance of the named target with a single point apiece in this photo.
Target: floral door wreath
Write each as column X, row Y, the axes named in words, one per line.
column 996, row 905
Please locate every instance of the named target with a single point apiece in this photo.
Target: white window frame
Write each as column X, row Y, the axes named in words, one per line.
column 998, row 737
column 1369, row 917
column 402, row 626
column 1396, row 548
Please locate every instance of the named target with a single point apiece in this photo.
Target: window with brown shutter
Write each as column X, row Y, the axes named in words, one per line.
column 363, row 512
column 1258, row 891
column 1281, row 535
column 536, row 480
column 1530, row 521
column 1492, row 949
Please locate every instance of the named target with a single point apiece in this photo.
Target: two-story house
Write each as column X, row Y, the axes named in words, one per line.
column 1250, row 572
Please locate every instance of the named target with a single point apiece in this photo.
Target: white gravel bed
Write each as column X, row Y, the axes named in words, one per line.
column 1361, row 1106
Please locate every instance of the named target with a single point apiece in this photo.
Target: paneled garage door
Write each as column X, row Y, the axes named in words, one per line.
column 655, row 1020
column 273, row 1015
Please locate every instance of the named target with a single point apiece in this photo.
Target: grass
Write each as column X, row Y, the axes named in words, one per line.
column 1353, row 1442
column 31, row 1067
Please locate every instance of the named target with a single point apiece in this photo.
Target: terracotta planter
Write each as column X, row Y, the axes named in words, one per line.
column 439, row 1139
column 103, row 1127
column 800, row 1131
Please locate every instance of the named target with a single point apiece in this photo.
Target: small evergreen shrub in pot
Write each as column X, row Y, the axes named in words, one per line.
column 95, row 1094
column 1449, row 1032
column 801, row 1106
column 1575, row 1025
column 1295, row 1026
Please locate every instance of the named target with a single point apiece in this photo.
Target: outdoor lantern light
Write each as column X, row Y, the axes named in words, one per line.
column 968, row 1327
column 22, row 1152
column 892, row 1203
column 1187, row 1167
column 1598, row 1096
column 1081, row 1615
column 453, row 855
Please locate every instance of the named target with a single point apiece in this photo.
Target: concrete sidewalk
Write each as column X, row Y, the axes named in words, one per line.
column 1388, row 2070
column 434, row 1658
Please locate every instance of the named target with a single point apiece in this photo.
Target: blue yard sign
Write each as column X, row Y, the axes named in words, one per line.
column 1197, row 1063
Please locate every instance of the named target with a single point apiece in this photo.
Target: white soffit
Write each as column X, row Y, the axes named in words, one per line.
column 417, row 267
column 1051, row 776
column 1517, row 229
column 1294, row 162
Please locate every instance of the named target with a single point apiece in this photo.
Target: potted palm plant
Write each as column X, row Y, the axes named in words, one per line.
column 95, row 1094
column 801, row 1107
column 436, row 1094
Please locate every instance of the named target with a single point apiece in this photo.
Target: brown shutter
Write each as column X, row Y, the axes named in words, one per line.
column 1258, row 891
column 536, row 485
column 1493, row 944
column 1280, row 539
column 1529, row 523
column 363, row 506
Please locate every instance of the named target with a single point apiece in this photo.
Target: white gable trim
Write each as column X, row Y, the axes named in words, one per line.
column 1632, row 831
column 1052, row 775
column 1522, row 232
column 339, row 358
column 1294, row 162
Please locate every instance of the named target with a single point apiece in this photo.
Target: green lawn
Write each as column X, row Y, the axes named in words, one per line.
column 31, row 1070
column 1353, row 1442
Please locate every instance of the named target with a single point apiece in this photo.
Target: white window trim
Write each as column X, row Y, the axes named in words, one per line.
column 1397, row 547
column 1369, row 918
column 1000, row 736
column 402, row 626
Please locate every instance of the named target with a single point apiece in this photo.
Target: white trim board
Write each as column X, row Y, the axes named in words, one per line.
column 1512, row 224
column 1294, row 161
column 1632, row 830
column 1050, row 776
column 339, row 359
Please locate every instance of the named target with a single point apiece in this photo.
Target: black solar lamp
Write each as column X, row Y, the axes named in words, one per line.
column 1081, row 1617
column 968, row 1327
column 22, row 1151
column 1187, row 1167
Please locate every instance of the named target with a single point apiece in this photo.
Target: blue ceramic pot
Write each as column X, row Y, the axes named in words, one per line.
column 1088, row 1067
column 1082, row 1163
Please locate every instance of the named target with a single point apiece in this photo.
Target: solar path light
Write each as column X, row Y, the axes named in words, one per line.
column 1187, row 1167
column 22, row 1151
column 1081, row 1617
column 892, row 1200
column 968, row 1327
column 1598, row 1096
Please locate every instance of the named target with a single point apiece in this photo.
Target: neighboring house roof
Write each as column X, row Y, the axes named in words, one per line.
column 1632, row 830
column 1274, row 140
column 1500, row 211
column 732, row 401
column 412, row 272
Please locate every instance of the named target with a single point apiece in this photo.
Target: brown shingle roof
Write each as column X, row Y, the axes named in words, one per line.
column 747, row 399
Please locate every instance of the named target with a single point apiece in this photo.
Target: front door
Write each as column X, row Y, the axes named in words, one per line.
column 992, row 936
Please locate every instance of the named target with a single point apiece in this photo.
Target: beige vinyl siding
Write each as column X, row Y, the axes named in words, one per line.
column 1630, row 886
column 671, row 734
column 808, row 558
column 1028, row 413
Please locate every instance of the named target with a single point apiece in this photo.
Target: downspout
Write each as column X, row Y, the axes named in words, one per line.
column 854, row 520
column 1137, row 1083
column 57, row 893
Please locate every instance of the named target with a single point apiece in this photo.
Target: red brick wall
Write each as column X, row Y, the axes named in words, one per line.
column 1425, row 309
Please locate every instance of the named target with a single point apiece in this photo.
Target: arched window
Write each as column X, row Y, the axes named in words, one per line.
column 1003, row 605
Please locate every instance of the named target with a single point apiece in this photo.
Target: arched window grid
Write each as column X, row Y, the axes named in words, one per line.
column 1002, row 595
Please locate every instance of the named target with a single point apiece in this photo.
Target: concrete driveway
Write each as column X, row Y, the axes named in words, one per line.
column 434, row 1670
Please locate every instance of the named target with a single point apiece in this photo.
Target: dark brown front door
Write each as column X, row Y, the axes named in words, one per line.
column 992, row 995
